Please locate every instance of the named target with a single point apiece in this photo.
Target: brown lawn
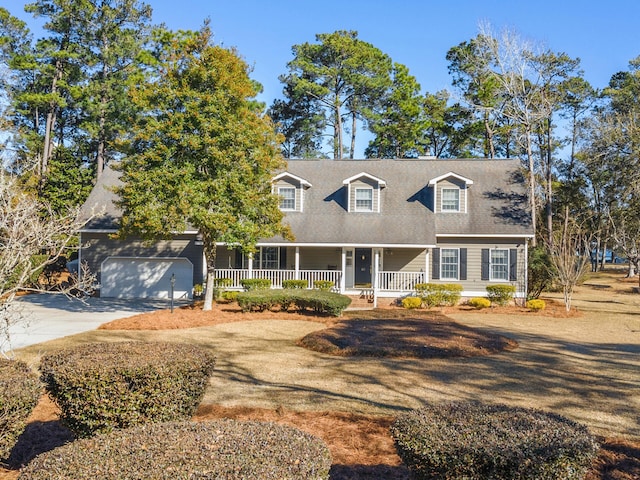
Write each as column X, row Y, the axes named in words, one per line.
column 360, row 444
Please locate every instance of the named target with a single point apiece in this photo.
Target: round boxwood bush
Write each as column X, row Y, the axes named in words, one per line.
column 103, row 386
column 479, row 303
column 20, row 391
column 475, row 441
column 221, row 449
column 536, row 304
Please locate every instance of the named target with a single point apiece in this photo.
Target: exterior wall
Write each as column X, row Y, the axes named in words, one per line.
column 451, row 183
column 97, row 247
column 364, row 183
column 317, row 258
column 404, row 260
column 474, row 285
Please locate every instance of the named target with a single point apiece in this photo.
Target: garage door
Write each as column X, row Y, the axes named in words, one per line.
column 145, row 277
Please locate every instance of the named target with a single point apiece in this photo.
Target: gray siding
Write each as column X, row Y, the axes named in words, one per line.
column 318, row 258
column 404, row 260
column 97, row 247
column 474, row 283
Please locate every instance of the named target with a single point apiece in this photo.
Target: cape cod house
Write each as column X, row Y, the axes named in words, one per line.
column 375, row 225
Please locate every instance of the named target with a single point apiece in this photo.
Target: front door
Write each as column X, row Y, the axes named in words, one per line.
column 363, row 267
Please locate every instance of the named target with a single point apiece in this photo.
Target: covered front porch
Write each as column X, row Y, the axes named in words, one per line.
column 384, row 270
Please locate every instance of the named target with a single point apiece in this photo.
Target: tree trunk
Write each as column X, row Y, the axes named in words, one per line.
column 337, row 135
column 353, row 135
column 532, row 189
column 210, row 253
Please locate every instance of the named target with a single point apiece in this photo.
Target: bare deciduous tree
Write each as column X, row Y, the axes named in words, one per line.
column 569, row 253
column 31, row 237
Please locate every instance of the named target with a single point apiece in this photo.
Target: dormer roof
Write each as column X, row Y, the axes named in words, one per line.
column 465, row 180
column 298, row 179
column 381, row 183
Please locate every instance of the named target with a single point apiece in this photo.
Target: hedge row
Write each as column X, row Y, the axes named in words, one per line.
column 222, row 449
column 19, row 394
column 319, row 301
column 104, row 386
column 479, row 442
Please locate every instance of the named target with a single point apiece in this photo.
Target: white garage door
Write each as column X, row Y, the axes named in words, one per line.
column 145, row 277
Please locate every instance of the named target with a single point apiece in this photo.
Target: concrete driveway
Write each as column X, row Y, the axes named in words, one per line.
column 50, row 316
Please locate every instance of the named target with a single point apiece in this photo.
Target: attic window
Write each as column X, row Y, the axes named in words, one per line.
column 450, row 199
column 364, row 199
column 287, row 198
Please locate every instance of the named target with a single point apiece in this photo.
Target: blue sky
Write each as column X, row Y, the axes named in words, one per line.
column 417, row 33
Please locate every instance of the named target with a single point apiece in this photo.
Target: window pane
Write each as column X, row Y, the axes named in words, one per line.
column 451, row 199
column 449, row 264
column 269, row 258
column 364, row 199
column 500, row 264
column 287, row 198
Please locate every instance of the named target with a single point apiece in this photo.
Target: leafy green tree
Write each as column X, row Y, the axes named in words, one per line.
column 113, row 35
column 343, row 77
column 301, row 124
column 203, row 156
column 396, row 124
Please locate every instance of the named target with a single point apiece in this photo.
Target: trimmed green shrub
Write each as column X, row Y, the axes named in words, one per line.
column 474, row 441
column 104, row 386
column 20, row 391
column 222, row 449
column 536, row 304
column 412, row 302
column 325, row 285
column 255, row 283
column 297, row 284
column 501, row 294
column 479, row 303
column 223, row 282
column 230, row 295
column 316, row 300
column 439, row 294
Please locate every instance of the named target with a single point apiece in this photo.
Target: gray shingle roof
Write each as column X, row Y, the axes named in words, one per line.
column 497, row 202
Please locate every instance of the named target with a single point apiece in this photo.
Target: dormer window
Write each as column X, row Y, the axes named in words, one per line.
column 450, row 193
column 450, row 199
column 363, row 192
column 287, row 198
column 364, row 199
column 290, row 188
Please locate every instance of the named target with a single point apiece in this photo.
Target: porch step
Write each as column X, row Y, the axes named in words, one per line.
column 364, row 301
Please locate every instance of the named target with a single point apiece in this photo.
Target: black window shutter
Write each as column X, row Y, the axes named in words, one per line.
column 463, row 264
column 435, row 264
column 484, row 269
column 513, row 264
column 283, row 258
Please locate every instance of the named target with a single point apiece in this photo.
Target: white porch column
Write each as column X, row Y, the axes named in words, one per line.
column 250, row 265
column 376, row 269
column 80, row 258
column 297, row 264
column 343, row 271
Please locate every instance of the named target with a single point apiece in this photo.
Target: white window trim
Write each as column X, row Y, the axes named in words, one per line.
column 294, row 199
column 355, row 199
column 442, row 209
column 491, row 277
column 442, row 277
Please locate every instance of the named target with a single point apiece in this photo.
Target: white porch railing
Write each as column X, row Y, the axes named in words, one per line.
column 399, row 281
column 278, row 276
